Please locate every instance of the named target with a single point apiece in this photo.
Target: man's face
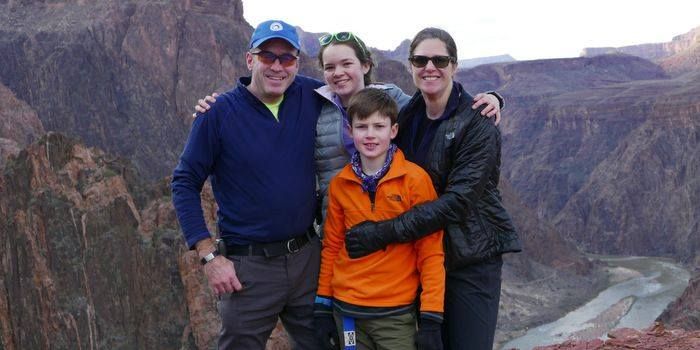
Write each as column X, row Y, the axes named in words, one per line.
column 271, row 79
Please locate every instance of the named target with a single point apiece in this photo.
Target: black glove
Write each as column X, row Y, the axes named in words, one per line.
column 429, row 335
column 324, row 325
column 368, row 237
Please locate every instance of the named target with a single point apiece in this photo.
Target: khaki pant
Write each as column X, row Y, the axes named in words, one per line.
column 386, row 333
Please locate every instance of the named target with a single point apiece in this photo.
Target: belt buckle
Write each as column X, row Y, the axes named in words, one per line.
column 293, row 246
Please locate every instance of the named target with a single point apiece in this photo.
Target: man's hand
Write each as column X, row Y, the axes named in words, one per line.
column 367, row 237
column 222, row 276
column 493, row 106
column 202, row 105
column 220, row 271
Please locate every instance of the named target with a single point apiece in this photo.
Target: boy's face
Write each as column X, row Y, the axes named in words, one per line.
column 372, row 136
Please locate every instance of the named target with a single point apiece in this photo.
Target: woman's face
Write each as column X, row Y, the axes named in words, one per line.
column 343, row 71
column 430, row 80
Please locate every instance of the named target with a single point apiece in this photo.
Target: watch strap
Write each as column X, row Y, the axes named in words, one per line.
column 209, row 257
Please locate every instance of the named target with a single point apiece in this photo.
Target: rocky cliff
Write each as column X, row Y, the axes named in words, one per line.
column 604, row 148
column 110, row 71
column 656, row 337
column 92, row 258
column 550, row 277
column 643, row 196
column 19, row 125
column 85, row 262
column 680, row 55
column 685, row 311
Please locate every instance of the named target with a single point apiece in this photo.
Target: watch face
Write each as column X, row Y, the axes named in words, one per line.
column 209, row 257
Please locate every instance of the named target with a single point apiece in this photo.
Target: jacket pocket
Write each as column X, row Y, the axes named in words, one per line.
column 468, row 242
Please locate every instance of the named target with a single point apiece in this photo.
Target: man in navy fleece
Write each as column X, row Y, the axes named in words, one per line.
column 256, row 144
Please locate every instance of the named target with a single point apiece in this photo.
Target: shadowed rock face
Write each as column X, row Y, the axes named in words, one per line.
column 685, row 311
column 642, row 198
column 92, row 258
column 551, row 276
column 19, row 125
column 605, row 149
column 82, row 264
column 602, row 147
column 111, row 71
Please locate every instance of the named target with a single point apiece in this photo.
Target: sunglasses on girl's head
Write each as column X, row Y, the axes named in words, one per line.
column 341, row 37
column 267, row 57
column 420, row 61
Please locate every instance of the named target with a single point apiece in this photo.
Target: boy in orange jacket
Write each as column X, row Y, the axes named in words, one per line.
column 372, row 299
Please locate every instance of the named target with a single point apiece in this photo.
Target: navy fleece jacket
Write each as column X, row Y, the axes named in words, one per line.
column 261, row 170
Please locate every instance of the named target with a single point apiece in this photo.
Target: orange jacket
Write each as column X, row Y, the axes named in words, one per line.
column 387, row 277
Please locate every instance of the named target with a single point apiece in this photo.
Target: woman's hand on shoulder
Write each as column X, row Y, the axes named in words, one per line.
column 493, row 106
column 203, row 104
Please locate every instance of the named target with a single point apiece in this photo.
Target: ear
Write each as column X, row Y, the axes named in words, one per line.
column 365, row 68
column 249, row 60
column 394, row 130
column 454, row 69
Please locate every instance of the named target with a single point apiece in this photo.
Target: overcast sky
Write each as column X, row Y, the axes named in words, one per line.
column 525, row 29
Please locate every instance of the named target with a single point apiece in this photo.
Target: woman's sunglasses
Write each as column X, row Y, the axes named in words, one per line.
column 420, row 61
column 267, row 57
column 341, row 37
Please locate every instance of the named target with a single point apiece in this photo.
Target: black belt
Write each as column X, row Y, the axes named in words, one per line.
column 272, row 249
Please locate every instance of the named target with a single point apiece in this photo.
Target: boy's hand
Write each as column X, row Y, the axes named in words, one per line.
column 429, row 335
column 324, row 325
column 326, row 332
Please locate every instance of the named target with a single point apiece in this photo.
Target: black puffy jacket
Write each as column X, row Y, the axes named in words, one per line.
column 463, row 162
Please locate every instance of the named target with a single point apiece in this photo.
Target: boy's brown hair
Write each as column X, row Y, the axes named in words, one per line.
column 369, row 100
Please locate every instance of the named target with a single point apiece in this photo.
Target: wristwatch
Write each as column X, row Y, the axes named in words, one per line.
column 209, row 257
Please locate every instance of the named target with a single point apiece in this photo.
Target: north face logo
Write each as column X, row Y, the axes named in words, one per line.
column 394, row 197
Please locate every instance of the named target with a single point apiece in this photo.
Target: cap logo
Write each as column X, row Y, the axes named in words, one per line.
column 276, row 26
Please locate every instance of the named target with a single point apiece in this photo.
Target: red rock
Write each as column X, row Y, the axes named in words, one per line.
column 653, row 338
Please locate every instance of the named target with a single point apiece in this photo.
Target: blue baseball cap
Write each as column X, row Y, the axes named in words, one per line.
column 274, row 29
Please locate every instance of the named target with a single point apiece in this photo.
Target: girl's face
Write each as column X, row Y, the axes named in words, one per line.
column 343, row 71
column 430, row 80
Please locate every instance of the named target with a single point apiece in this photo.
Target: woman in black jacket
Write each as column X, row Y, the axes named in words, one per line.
column 461, row 151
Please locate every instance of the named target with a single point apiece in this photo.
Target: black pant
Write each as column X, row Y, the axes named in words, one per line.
column 281, row 287
column 472, row 294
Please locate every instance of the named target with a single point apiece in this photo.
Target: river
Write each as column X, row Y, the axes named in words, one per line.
column 649, row 285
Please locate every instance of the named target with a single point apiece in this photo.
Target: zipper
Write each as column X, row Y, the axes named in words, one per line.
column 372, row 197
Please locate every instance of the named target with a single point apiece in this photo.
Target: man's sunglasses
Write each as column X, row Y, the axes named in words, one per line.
column 341, row 37
column 267, row 57
column 420, row 61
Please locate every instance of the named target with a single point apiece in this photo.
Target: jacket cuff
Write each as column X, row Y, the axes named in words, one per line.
column 323, row 306
column 433, row 316
column 192, row 241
